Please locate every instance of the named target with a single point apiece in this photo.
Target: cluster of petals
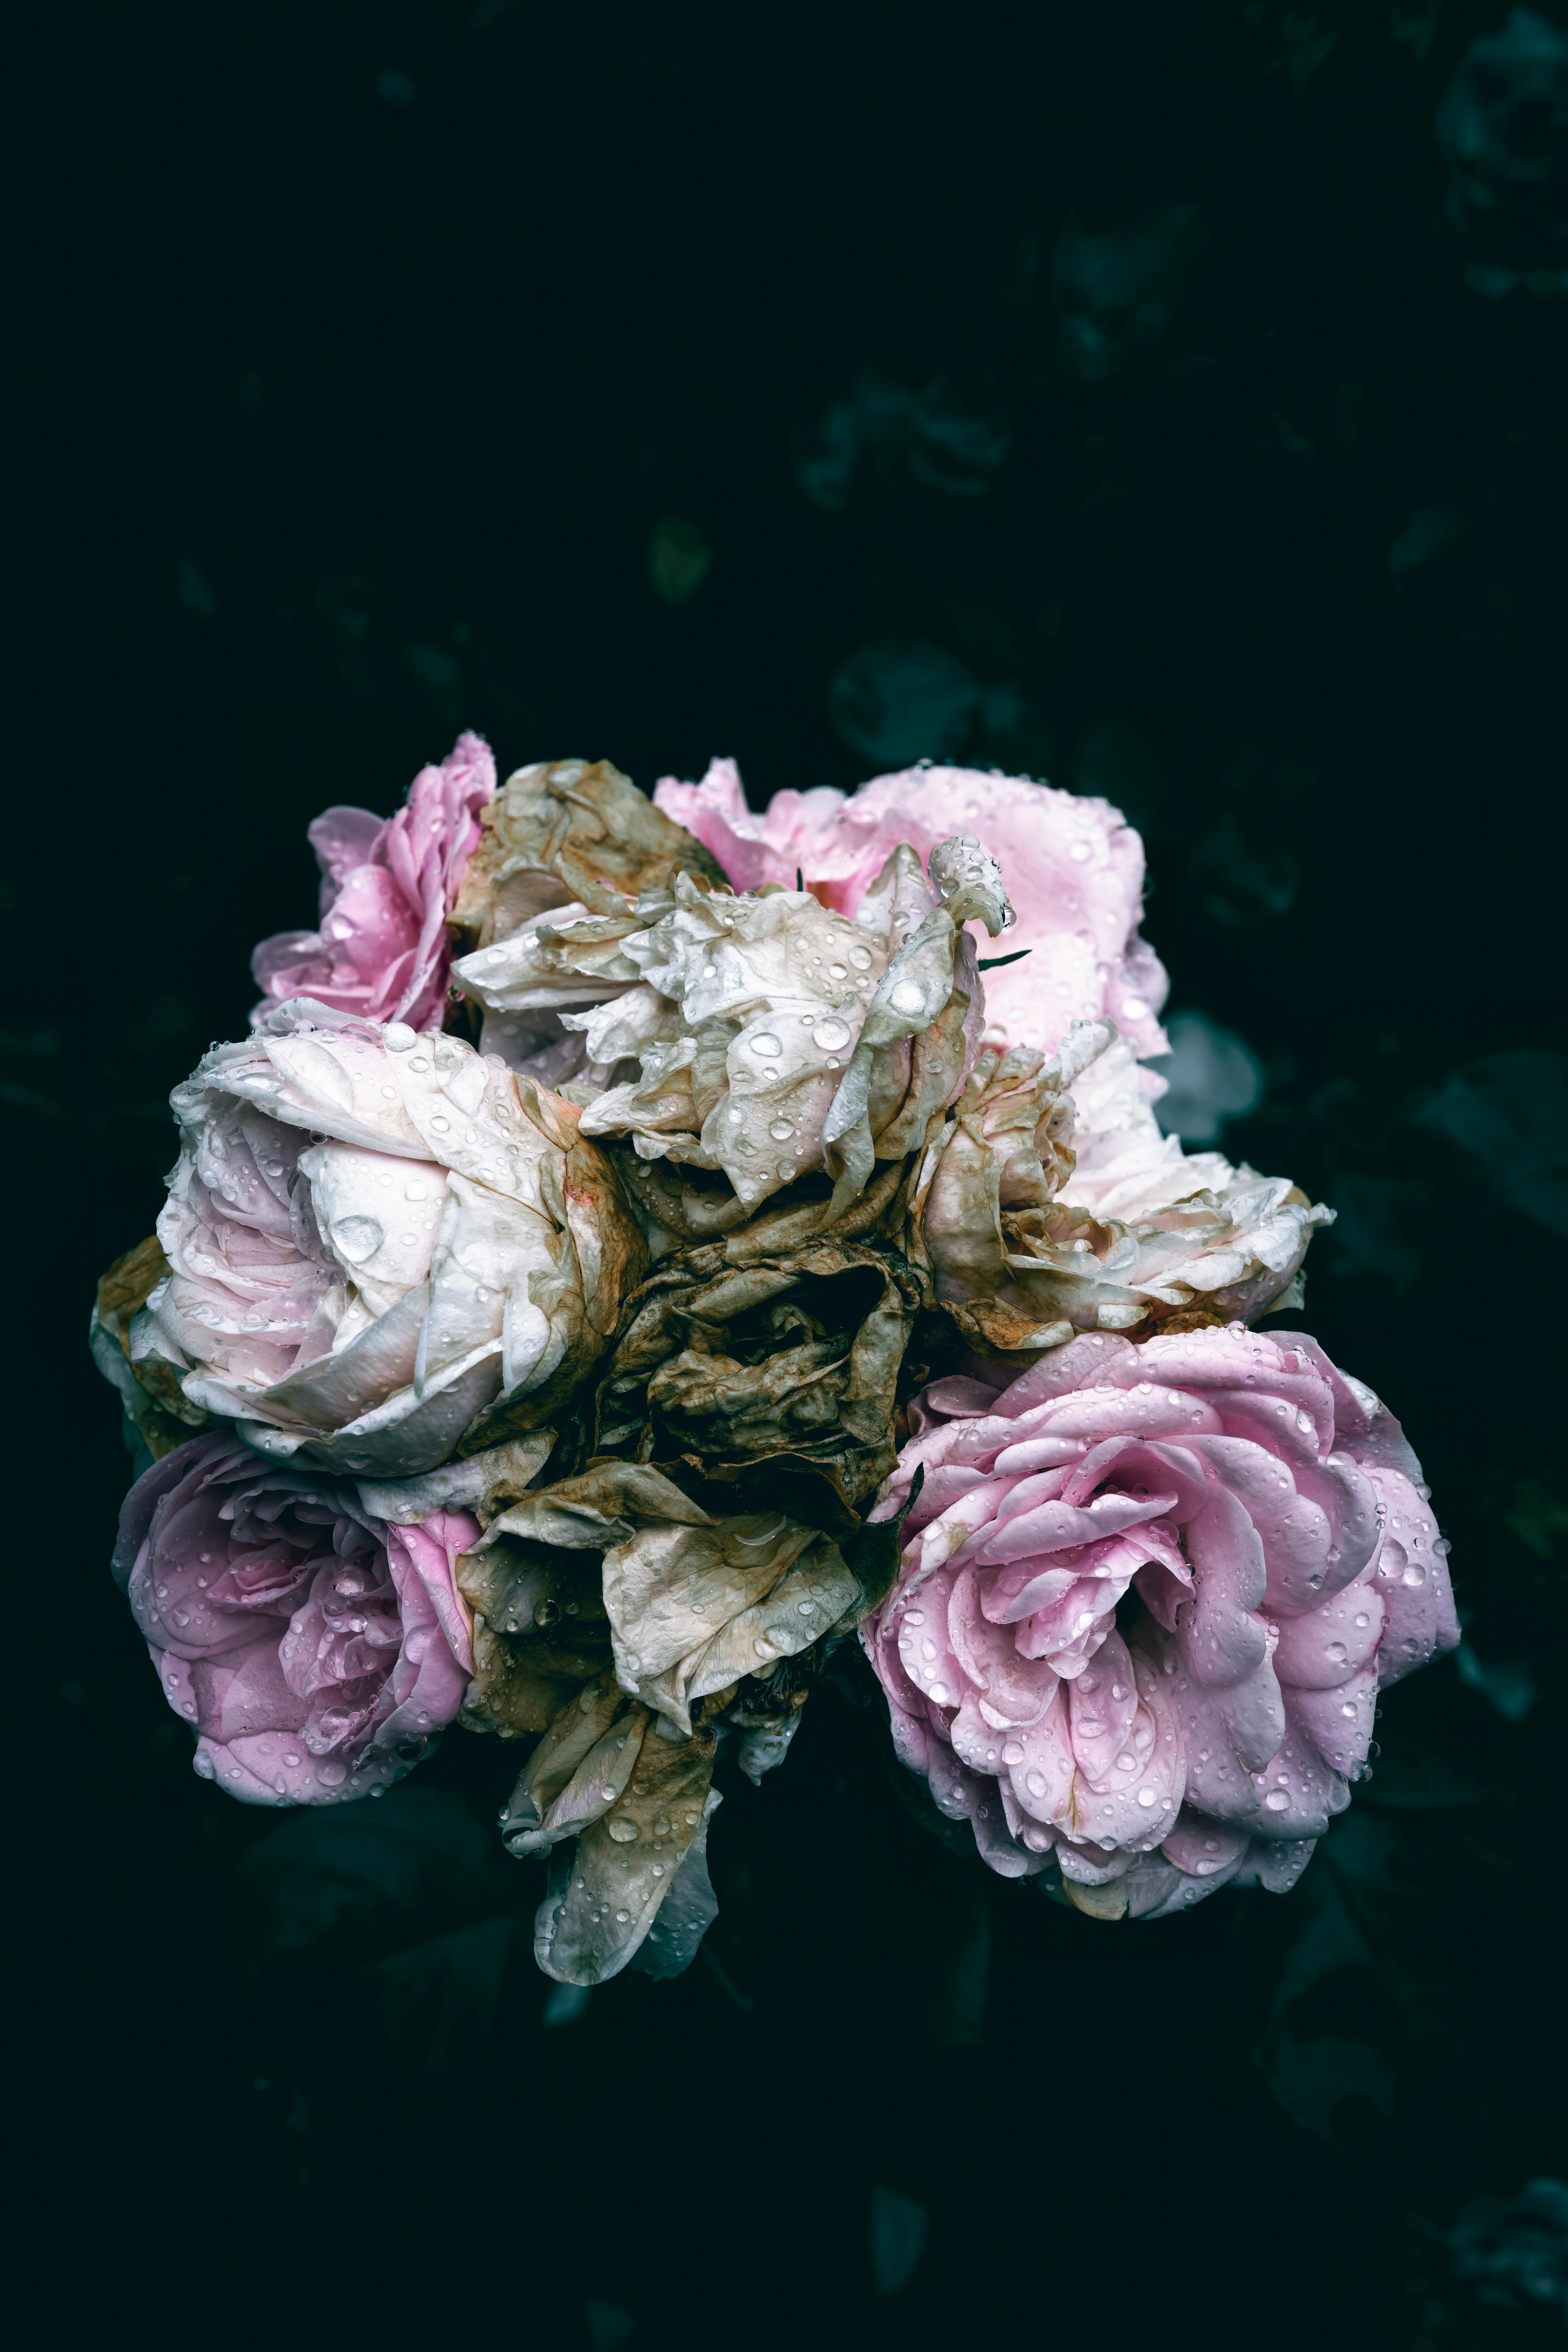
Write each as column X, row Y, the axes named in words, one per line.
column 774, row 1038
column 1148, row 1596
column 616, row 1616
column 1073, row 867
column 372, row 1237
column 388, row 884
column 1053, row 1205
column 315, row 1648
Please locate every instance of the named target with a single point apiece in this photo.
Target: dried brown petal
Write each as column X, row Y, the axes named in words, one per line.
column 605, row 1892
column 162, row 1414
column 564, row 830
column 738, row 1368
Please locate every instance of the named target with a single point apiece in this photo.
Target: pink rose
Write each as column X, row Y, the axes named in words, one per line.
column 387, row 888
column 1073, row 869
column 315, row 1648
column 1149, row 1594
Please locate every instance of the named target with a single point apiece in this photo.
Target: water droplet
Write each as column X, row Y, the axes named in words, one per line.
column 1035, row 1782
column 419, row 1063
column 440, row 1124
column 1275, row 1800
column 622, row 1917
column 909, row 996
column 1338, row 1653
column 398, row 1037
column 1147, row 1797
column 661, row 1826
column 1013, row 1753
column 622, row 1829
column 860, row 958
column 1347, row 1710
column 832, row 1034
column 1414, row 1575
column 939, row 1692
column 766, row 1043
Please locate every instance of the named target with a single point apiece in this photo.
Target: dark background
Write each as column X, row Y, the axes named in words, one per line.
column 386, row 368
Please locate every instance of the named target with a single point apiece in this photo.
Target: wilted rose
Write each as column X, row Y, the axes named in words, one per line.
column 1073, row 867
column 636, row 1630
column 388, row 887
column 777, row 1376
column 569, row 849
column 794, row 1044
column 1149, row 1595
column 380, row 1246
column 1051, row 1203
column 315, row 1648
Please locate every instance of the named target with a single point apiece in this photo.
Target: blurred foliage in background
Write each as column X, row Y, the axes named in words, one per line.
column 1166, row 400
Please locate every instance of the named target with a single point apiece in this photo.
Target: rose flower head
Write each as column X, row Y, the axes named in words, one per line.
column 388, row 887
column 315, row 1648
column 777, row 1377
column 380, row 1246
column 1148, row 1597
column 1073, row 871
column 1051, row 1203
column 635, row 1632
column 785, row 1042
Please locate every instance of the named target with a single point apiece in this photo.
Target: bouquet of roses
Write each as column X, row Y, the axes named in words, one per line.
column 643, row 1245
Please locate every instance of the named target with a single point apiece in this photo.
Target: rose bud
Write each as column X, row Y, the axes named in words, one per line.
column 388, row 887
column 1148, row 1597
column 315, row 1648
column 381, row 1247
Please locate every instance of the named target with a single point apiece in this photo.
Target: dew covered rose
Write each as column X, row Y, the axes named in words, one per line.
column 1149, row 1594
column 1051, row 1203
column 315, row 1648
column 388, row 885
column 380, row 1246
column 1073, row 867
column 790, row 1042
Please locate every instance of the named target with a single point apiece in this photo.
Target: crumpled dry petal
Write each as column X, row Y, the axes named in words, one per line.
column 1073, row 867
column 158, row 1414
column 636, row 1630
column 569, row 849
column 1050, row 1203
column 383, row 950
column 315, row 1648
column 1148, row 1595
column 777, row 1375
column 439, row 1268
column 791, row 1043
